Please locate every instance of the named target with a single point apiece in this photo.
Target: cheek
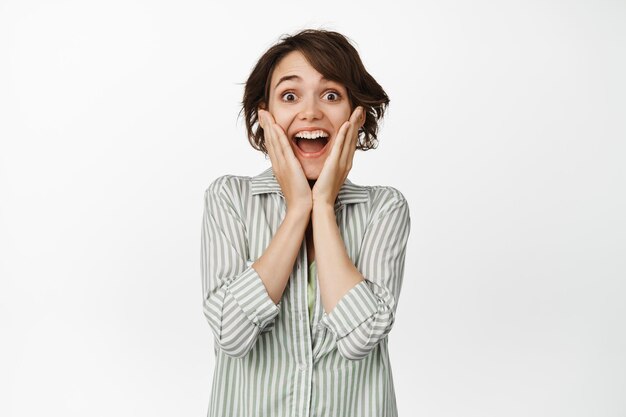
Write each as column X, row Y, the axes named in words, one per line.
column 284, row 126
column 281, row 119
column 343, row 116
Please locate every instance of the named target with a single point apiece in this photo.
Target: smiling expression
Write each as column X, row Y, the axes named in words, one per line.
column 300, row 98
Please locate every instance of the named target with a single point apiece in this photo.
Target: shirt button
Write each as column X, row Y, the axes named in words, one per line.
column 301, row 317
column 303, row 367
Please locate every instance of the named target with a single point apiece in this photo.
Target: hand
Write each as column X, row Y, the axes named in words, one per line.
column 339, row 161
column 286, row 167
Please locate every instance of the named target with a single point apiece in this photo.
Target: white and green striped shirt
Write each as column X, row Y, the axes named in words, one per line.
column 273, row 360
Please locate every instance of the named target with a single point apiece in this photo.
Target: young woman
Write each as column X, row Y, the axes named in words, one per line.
column 302, row 268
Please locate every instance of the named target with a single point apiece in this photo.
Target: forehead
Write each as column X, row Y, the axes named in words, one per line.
column 295, row 63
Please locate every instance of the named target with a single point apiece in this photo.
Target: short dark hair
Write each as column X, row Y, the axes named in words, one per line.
column 333, row 56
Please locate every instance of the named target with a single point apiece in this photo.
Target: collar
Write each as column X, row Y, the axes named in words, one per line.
column 349, row 193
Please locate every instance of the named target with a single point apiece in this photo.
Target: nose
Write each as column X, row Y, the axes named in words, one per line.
column 310, row 109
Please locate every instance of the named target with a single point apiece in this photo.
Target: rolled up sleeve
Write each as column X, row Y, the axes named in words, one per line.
column 366, row 313
column 235, row 301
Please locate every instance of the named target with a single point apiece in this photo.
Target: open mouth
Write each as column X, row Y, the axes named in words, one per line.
column 311, row 143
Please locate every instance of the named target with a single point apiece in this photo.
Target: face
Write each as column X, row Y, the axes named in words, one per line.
column 302, row 100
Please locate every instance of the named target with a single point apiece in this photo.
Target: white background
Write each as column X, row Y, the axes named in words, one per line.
column 506, row 132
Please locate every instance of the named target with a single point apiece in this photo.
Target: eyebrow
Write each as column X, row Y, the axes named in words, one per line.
column 293, row 77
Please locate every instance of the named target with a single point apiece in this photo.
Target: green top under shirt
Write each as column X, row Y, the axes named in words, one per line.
column 311, row 290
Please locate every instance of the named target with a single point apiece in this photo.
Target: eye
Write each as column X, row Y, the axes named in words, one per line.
column 333, row 95
column 287, row 94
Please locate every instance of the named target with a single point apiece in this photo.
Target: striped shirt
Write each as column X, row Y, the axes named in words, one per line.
column 273, row 359
column 311, row 290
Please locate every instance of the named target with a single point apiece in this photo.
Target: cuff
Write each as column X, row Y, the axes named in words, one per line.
column 356, row 306
column 251, row 295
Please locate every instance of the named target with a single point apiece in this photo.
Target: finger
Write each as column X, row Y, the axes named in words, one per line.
column 290, row 157
column 335, row 152
column 360, row 121
column 347, row 151
column 271, row 132
column 349, row 146
column 270, row 144
column 260, row 118
column 282, row 140
column 349, row 137
column 356, row 115
column 266, row 134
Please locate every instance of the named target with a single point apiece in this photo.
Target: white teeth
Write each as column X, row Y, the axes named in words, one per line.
column 312, row 135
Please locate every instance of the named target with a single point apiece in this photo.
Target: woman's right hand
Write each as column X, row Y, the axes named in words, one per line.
column 286, row 167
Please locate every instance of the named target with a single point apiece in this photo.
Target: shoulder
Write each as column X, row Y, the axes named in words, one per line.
column 385, row 193
column 375, row 201
column 228, row 186
column 389, row 202
column 388, row 208
column 384, row 197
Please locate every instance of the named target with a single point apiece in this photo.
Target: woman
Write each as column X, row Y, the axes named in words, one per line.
column 302, row 268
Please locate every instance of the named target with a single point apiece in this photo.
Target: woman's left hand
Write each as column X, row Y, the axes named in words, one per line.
column 339, row 161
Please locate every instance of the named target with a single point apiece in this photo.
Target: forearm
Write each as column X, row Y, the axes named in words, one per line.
column 335, row 270
column 275, row 265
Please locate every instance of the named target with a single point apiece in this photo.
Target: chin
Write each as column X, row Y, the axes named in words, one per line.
column 311, row 173
column 311, row 168
column 312, row 176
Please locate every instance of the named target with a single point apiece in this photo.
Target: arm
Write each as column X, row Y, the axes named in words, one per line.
column 335, row 270
column 276, row 264
column 235, row 301
column 362, row 308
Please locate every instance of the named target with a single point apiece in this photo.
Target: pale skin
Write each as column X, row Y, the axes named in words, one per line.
column 310, row 184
